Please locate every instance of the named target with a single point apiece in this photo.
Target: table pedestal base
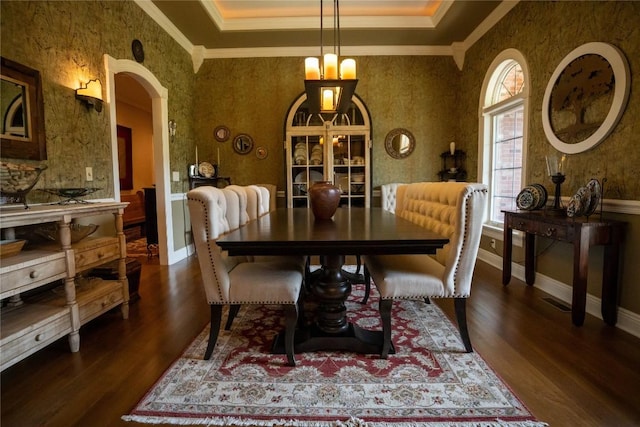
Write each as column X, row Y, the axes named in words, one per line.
column 354, row 339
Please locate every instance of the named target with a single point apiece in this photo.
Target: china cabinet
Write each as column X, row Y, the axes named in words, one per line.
column 328, row 147
column 44, row 290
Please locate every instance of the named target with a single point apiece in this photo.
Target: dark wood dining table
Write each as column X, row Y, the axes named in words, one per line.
column 351, row 231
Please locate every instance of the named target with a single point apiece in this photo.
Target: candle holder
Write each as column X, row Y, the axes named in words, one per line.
column 555, row 169
column 557, row 179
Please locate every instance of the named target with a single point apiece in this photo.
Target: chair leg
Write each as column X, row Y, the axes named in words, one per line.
column 385, row 316
column 427, row 300
column 233, row 312
column 461, row 317
column 216, row 320
column 358, row 264
column 367, row 285
column 291, row 318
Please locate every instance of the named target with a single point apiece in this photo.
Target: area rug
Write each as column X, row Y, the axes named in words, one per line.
column 430, row 381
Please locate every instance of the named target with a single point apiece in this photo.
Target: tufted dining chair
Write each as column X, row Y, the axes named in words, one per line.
column 454, row 210
column 388, row 198
column 229, row 281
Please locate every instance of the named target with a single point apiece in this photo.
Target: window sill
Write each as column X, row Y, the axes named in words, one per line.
column 495, row 232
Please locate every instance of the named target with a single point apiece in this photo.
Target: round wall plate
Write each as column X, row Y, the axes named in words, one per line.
column 221, row 133
column 243, row 143
column 137, row 50
column 261, row 152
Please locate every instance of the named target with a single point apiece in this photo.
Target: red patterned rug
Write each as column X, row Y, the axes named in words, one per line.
column 431, row 381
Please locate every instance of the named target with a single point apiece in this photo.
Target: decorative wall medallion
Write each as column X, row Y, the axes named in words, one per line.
column 242, row 143
column 585, row 97
column 221, row 133
column 261, row 152
column 137, row 50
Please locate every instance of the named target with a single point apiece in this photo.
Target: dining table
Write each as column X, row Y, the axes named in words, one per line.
column 351, row 231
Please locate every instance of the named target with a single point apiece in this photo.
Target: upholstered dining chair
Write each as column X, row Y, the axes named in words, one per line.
column 228, row 281
column 388, row 201
column 243, row 205
column 454, row 210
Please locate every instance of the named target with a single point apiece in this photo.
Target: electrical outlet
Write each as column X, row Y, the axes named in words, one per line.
column 176, row 176
column 493, row 243
column 89, row 173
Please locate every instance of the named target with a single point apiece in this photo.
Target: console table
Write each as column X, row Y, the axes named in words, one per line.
column 582, row 233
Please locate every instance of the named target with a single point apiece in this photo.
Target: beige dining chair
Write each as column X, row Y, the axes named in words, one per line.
column 454, row 210
column 228, row 281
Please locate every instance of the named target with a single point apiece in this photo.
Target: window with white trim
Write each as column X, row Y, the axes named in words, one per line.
column 503, row 120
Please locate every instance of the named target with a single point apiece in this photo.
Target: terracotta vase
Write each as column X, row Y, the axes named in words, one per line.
column 325, row 198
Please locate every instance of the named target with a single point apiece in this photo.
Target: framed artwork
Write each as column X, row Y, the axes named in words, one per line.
column 243, row 143
column 125, row 162
column 585, row 97
column 22, row 133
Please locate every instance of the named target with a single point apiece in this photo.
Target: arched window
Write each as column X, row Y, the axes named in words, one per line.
column 503, row 132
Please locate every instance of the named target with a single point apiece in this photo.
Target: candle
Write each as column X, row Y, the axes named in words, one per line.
column 218, row 158
column 452, row 148
column 330, row 66
column 196, row 154
column 327, row 99
column 312, row 69
column 348, row 69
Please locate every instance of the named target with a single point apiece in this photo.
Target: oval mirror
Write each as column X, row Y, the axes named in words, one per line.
column 399, row 143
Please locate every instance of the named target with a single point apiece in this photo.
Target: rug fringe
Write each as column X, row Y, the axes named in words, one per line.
column 351, row 422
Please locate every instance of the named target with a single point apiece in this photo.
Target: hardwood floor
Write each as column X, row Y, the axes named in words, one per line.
column 567, row 376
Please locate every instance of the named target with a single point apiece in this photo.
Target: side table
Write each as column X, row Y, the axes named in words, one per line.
column 582, row 233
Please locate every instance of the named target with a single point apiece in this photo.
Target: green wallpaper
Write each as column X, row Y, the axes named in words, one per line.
column 253, row 96
column 545, row 32
column 65, row 41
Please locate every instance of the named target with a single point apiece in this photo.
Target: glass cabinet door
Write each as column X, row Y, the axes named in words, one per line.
column 326, row 147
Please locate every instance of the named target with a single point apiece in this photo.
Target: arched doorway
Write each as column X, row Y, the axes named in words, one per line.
column 159, row 96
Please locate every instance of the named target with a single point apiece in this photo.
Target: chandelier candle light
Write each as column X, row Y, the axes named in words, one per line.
column 327, row 90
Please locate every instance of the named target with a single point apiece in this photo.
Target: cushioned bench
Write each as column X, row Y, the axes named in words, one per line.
column 452, row 209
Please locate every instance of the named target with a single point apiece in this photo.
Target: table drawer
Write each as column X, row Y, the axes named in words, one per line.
column 552, row 231
column 34, row 337
column 92, row 255
column 98, row 297
column 541, row 228
column 33, row 275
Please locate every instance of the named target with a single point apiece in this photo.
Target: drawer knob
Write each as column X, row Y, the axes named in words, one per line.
column 550, row 231
column 39, row 337
column 520, row 224
column 34, row 274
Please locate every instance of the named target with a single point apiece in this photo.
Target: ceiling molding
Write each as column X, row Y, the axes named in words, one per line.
column 456, row 50
column 313, row 22
column 489, row 22
column 152, row 10
column 267, row 52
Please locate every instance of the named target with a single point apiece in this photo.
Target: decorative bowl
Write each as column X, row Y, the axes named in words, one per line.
column 10, row 247
column 16, row 180
column 78, row 231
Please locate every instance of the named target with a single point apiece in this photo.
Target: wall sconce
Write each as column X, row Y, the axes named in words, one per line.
column 91, row 95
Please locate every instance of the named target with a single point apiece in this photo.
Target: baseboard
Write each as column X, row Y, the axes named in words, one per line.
column 628, row 321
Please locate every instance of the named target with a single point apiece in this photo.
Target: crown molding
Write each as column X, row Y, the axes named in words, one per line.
column 198, row 53
column 152, row 10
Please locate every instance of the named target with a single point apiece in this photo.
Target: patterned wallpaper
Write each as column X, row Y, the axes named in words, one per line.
column 66, row 41
column 545, row 32
column 253, row 96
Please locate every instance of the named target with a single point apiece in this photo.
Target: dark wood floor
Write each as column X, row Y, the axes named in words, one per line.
column 567, row 376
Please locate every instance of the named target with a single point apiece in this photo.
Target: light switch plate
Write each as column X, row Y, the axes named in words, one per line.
column 176, row 176
column 89, row 173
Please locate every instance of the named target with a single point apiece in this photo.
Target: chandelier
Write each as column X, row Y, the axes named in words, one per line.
column 329, row 89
